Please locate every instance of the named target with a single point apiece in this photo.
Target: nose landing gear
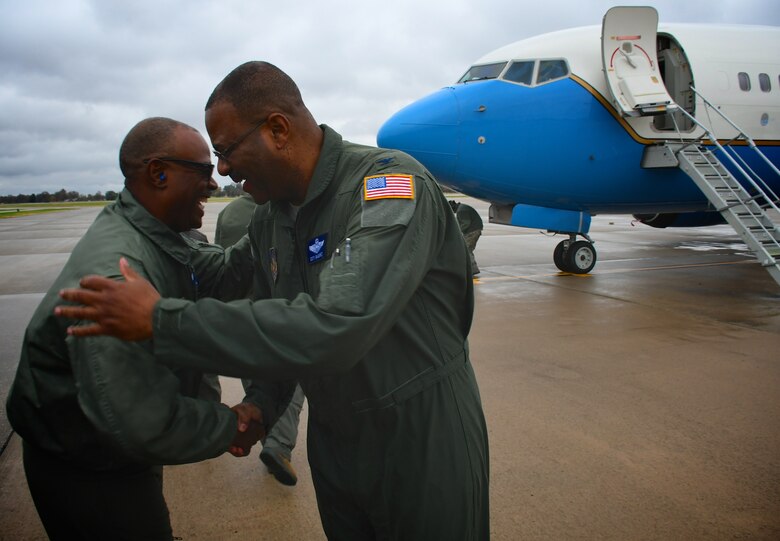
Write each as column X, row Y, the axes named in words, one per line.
column 575, row 256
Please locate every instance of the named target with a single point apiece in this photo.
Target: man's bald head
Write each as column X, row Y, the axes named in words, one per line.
column 256, row 89
column 151, row 137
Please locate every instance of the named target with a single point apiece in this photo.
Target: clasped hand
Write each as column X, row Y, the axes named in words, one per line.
column 250, row 428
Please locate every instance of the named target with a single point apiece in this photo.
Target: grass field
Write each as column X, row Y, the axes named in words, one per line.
column 8, row 210
column 16, row 213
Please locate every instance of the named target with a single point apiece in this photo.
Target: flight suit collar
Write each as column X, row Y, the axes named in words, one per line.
column 160, row 234
column 325, row 169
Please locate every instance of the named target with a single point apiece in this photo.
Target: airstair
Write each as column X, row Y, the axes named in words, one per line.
column 748, row 210
column 629, row 36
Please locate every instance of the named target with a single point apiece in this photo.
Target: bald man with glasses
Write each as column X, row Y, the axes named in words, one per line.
column 98, row 417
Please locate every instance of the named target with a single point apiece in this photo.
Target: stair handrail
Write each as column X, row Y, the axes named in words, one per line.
column 736, row 156
column 750, row 142
column 767, row 229
column 771, row 197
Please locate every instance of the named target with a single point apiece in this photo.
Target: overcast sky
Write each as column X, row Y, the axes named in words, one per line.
column 76, row 75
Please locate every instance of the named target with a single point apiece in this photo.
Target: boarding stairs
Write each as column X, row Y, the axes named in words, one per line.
column 749, row 211
column 741, row 210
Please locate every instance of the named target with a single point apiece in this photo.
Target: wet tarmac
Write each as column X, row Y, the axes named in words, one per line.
column 637, row 402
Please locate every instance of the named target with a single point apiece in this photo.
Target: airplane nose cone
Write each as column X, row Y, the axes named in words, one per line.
column 426, row 129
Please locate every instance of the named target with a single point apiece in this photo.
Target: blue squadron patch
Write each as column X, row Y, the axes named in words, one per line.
column 318, row 247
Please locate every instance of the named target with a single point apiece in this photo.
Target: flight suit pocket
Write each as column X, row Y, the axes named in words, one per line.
column 340, row 291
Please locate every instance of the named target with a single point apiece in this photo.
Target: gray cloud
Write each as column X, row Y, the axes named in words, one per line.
column 75, row 75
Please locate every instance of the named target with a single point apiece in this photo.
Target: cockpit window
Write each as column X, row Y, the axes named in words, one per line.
column 521, row 72
column 536, row 72
column 486, row 71
column 551, row 69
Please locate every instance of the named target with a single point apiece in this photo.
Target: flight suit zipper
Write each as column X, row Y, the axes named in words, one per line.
column 194, row 281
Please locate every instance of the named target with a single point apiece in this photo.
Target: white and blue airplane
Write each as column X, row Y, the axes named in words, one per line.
column 626, row 118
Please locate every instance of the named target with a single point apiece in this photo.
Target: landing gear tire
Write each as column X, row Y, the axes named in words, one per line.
column 580, row 258
column 559, row 256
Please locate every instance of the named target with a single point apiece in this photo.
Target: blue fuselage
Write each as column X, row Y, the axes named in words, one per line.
column 554, row 145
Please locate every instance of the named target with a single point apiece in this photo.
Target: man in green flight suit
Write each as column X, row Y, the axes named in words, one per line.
column 233, row 220
column 98, row 416
column 370, row 307
column 470, row 224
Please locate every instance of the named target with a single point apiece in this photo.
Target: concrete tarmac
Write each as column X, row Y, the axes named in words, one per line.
column 637, row 402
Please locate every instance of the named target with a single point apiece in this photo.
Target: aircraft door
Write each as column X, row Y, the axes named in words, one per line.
column 628, row 49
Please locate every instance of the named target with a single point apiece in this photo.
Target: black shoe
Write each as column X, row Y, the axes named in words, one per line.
column 279, row 466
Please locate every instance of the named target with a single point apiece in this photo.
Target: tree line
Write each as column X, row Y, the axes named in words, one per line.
column 229, row 190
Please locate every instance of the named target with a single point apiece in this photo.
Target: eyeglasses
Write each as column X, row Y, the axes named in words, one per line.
column 205, row 168
column 224, row 154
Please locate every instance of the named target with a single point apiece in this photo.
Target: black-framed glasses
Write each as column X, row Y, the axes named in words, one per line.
column 205, row 168
column 224, row 154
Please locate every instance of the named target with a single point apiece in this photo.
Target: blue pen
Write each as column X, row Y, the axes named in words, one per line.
column 347, row 249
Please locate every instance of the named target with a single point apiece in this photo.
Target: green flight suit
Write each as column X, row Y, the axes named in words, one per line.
column 101, row 409
column 233, row 220
column 470, row 224
column 373, row 301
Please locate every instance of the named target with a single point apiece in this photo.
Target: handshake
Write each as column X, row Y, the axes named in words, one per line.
column 250, row 429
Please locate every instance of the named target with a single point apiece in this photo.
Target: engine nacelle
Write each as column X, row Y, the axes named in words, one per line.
column 682, row 219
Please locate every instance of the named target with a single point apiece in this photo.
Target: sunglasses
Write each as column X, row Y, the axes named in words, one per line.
column 205, row 168
column 224, row 154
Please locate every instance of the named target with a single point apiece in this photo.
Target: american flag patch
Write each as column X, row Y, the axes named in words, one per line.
column 388, row 187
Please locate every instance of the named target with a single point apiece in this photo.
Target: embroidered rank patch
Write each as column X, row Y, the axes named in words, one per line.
column 318, row 247
column 388, row 187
